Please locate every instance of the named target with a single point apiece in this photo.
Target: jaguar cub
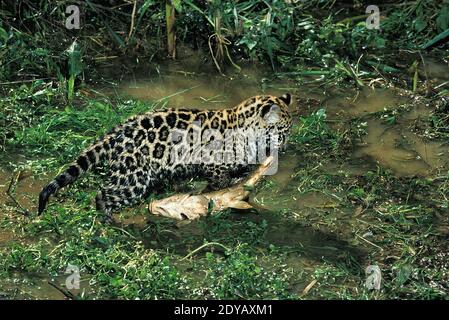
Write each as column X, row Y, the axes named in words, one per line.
column 162, row 147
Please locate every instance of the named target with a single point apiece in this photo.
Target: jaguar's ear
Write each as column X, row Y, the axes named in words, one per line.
column 271, row 113
column 286, row 98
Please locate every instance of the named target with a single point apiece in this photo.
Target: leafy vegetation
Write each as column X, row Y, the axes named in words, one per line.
column 305, row 36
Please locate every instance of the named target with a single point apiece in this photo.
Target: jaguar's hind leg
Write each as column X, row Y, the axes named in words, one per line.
column 122, row 191
column 109, row 200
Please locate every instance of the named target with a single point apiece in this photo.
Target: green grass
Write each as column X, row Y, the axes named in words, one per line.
column 118, row 263
column 41, row 124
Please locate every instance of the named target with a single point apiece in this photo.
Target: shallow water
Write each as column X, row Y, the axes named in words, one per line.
column 351, row 104
column 24, row 189
column 191, row 85
column 37, row 286
column 390, row 142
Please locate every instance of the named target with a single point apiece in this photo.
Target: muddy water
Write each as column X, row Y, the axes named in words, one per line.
column 435, row 70
column 37, row 286
column 403, row 151
column 390, row 141
column 24, row 189
column 189, row 86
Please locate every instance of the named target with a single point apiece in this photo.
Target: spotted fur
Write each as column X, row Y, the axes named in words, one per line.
column 141, row 151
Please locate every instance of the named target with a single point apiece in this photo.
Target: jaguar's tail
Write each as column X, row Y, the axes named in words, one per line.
column 87, row 160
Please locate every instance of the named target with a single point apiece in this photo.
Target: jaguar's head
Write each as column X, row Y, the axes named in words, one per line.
column 275, row 113
column 268, row 114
